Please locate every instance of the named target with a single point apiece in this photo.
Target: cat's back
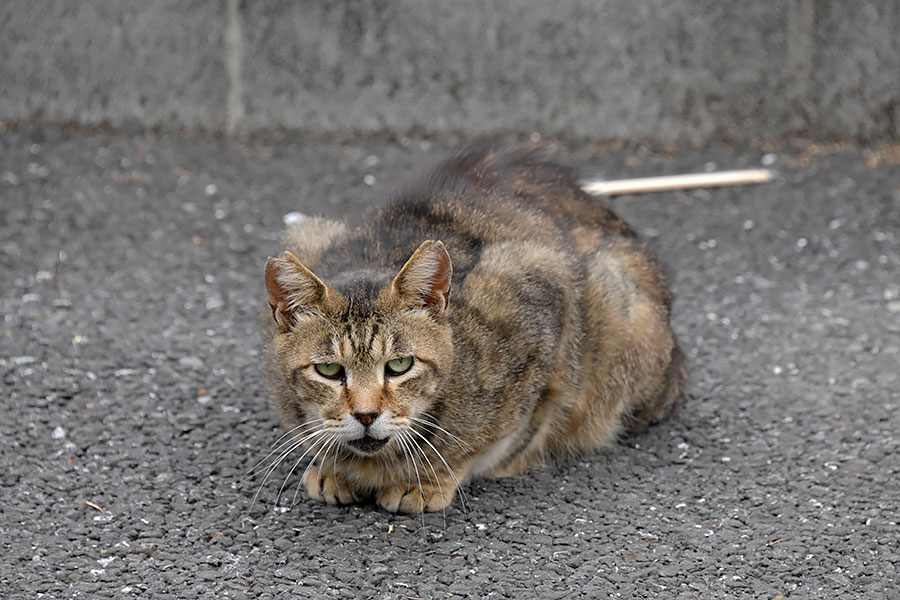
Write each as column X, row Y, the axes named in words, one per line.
column 473, row 200
column 482, row 196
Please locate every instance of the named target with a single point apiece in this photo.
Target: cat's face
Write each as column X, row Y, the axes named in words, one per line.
column 364, row 366
column 366, row 378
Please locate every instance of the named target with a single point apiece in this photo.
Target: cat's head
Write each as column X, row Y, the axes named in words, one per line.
column 364, row 353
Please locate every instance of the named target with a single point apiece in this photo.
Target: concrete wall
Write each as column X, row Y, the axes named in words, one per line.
column 657, row 70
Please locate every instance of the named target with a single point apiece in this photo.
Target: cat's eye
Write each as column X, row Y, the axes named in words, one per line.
column 329, row 370
column 398, row 366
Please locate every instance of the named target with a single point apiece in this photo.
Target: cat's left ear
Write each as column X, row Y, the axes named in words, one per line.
column 425, row 278
column 291, row 286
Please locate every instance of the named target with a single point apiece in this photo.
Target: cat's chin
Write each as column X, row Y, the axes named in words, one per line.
column 367, row 445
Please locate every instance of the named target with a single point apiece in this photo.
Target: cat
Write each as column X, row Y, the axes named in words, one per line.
column 490, row 315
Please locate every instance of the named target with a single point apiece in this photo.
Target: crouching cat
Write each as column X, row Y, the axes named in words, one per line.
column 490, row 315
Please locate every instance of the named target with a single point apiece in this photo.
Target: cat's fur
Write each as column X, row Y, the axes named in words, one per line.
column 549, row 332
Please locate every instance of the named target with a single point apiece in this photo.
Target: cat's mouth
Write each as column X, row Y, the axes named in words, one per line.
column 367, row 444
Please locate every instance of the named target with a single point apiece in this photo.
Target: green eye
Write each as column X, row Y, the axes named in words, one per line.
column 329, row 370
column 398, row 366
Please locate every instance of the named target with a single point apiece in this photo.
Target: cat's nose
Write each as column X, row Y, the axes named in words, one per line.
column 366, row 418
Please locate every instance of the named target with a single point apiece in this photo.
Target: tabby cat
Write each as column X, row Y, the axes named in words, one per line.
column 555, row 337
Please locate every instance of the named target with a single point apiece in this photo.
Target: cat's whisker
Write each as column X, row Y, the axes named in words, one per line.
column 415, row 458
column 311, row 464
column 295, row 429
column 297, row 464
column 280, row 460
column 438, row 480
column 430, row 418
column 293, row 443
column 333, row 464
column 406, row 456
column 462, row 493
column 464, row 446
column 274, row 465
column 307, row 427
column 327, row 445
column 407, row 444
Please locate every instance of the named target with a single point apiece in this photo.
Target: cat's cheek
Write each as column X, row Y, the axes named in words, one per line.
column 415, row 394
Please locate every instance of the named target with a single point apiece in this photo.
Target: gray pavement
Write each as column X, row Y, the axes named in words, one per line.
column 130, row 286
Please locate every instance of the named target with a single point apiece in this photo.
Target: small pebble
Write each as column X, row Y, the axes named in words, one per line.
column 192, row 362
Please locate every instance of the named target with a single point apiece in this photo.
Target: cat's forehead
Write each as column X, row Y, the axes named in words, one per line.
column 367, row 340
column 362, row 334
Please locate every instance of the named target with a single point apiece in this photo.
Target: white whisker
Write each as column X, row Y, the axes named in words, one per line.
column 408, row 440
column 327, row 446
column 436, row 478
column 308, row 427
column 297, row 464
column 462, row 494
column 464, row 446
column 406, row 456
column 281, row 458
column 312, row 462
column 292, row 443
column 333, row 465
column 293, row 429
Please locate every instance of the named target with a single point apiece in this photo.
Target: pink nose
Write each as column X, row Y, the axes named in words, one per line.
column 366, row 418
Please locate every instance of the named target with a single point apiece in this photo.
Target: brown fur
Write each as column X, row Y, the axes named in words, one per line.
column 539, row 326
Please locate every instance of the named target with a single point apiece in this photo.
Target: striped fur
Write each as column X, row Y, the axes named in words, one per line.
column 539, row 326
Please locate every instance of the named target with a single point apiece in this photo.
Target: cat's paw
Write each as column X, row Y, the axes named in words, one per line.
column 415, row 499
column 324, row 484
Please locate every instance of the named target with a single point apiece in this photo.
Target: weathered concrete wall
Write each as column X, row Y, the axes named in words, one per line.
column 652, row 70
column 154, row 63
column 855, row 83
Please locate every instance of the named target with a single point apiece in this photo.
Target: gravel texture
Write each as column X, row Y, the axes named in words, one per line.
column 130, row 288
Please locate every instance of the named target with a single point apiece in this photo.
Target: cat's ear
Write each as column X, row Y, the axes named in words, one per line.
column 425, row 278
column 290, row 286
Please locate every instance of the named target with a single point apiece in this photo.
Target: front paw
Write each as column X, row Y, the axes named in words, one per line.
column 415, row 499
column 323, row 483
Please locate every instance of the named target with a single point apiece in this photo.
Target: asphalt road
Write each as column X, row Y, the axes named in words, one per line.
column 130, row 287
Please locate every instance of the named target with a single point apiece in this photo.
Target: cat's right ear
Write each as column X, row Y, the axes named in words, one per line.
column 425, row 278
column 291, row 286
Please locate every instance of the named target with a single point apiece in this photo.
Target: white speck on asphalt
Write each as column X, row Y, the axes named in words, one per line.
column 192, row 362
column 293, row 218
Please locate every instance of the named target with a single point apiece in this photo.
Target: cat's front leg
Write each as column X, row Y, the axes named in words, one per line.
column 325, row 484
column 416, row 498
